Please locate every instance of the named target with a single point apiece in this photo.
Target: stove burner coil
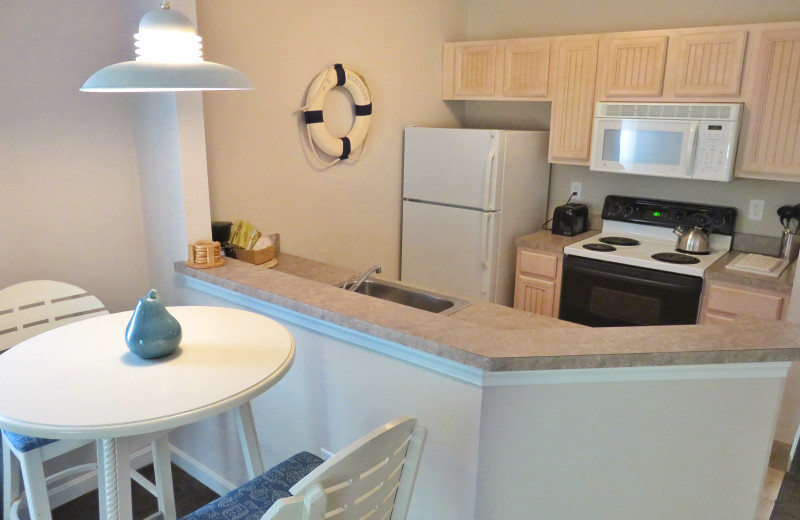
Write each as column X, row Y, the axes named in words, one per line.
column 620, row 241
column 599, row 247
column 675, row 258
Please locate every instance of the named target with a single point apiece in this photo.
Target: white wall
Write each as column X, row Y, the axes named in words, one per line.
column 258, row 166
column 69, row 189
column 645, row 449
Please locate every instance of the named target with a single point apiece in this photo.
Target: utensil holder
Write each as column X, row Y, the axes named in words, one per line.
column 790, row 245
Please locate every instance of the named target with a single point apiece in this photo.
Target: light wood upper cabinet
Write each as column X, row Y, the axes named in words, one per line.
column 708, row 62
column 772, row 133
column 677, row 65
column 501, row 69
column 633, row 66
column 573, row 101
column 756, row 64
column 526, row 67
column 473, row 69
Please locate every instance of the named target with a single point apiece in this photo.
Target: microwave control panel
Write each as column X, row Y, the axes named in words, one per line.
column 716, row 149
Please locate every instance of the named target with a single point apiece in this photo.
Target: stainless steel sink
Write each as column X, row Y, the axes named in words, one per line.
column 410, row 296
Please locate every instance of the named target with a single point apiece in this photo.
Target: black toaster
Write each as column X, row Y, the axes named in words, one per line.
column 570, row 219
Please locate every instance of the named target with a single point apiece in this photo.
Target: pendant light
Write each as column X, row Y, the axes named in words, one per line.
column 169, row 59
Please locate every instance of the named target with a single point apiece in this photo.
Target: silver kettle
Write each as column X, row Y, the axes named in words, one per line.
column 694, row 240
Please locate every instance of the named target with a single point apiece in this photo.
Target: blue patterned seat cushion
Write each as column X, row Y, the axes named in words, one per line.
column 251, row 500
column 24, row 443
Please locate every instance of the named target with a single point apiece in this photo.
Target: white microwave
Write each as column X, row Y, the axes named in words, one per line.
column 678, row 140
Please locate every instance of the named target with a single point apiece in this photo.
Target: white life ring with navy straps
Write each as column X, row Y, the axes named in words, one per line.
column 339, row 147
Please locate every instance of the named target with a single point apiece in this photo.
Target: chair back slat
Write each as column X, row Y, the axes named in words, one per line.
column 370, row 478
column 30, row 308
column 373, row 487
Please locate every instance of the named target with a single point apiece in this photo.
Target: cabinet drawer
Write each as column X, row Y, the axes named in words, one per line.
column 538, row 264
column 747, row 303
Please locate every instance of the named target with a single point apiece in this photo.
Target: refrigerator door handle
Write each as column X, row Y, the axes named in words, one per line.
column 489, row 182
column 487, row 238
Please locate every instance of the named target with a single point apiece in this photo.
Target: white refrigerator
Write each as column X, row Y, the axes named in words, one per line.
column 467, row 195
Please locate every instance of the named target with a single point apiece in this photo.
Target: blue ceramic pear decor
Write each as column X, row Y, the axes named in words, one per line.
column 152, row 332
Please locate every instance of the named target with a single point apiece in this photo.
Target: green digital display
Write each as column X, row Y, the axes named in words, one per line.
column 656, row 213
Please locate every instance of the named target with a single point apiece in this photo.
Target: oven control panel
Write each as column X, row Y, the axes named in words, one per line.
column 666, row 213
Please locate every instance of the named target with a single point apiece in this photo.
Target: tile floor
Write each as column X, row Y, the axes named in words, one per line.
column 768, row 495
column 191, row 494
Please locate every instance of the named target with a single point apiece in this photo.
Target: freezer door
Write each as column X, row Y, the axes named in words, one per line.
column 449, row 249
column 452, row 166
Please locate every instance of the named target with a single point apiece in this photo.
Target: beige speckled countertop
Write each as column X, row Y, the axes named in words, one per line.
column 496, row 338
column 718, row 273
column 550, row 243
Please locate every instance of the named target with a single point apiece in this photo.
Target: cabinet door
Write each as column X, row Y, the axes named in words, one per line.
column 633, row 66
column 773, row 132
column 470, row 69
column 526, row 68
column 709, row 63
column 536, row 296
column 573, row 103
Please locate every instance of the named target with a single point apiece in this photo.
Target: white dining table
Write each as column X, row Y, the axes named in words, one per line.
column 80, row 381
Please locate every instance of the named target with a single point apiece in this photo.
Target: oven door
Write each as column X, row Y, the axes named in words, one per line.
column 605, row 294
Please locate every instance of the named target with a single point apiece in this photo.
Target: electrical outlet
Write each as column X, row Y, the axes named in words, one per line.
column 756, row 211
column 575, row 188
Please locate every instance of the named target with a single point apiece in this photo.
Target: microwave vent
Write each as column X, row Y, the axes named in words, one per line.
column 693, row 111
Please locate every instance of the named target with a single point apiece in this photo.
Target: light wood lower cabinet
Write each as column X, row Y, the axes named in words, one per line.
column 723, row 302
column 538, row 283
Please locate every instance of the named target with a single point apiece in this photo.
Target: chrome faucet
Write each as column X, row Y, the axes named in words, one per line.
column 367, row 273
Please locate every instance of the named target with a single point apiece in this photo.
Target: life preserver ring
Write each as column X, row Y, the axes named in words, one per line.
column 339, row 147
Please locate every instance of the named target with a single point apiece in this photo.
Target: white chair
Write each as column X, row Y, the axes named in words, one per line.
column 375, row 476
column 27, row 309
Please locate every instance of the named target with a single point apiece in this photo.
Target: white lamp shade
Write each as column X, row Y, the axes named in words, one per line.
column 141, row 76
column 169, row 59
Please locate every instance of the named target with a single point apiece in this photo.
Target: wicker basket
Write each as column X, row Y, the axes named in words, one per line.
column 257, row 256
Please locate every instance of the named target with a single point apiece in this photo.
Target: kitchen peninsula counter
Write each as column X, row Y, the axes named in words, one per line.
column 494, row 338
column 638, row 422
